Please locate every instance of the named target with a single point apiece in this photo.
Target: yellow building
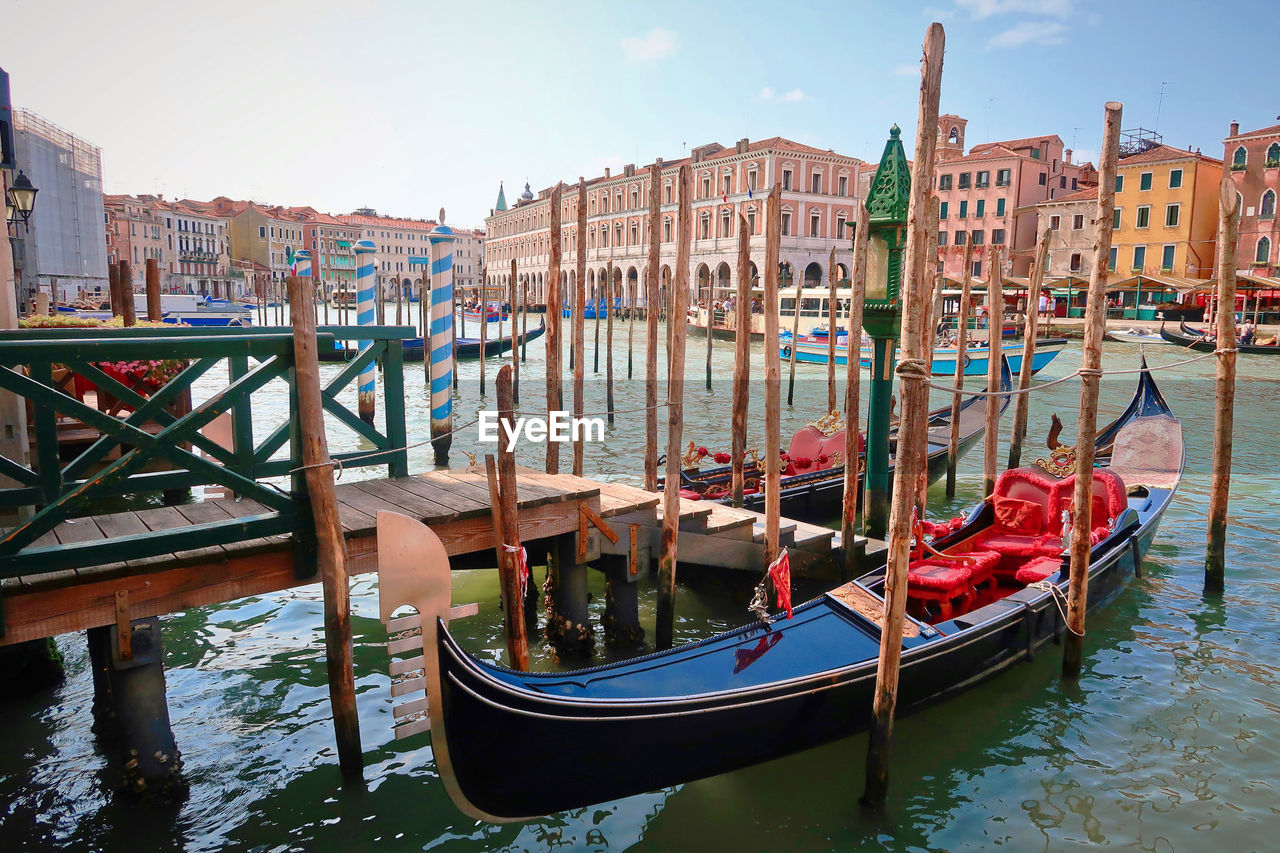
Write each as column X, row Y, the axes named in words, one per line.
column 1166, row 216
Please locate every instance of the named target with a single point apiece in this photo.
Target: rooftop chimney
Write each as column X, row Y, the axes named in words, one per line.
column 1066, row 156
column 1235, row 129
column 743, row 145
column 606, row 171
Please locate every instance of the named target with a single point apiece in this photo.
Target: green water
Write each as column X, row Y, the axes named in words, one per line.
column 1170, row 741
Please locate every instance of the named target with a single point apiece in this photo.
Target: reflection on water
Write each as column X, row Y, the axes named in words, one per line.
column 1167, row 743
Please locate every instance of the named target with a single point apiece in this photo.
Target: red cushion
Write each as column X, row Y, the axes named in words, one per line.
column 1039, row 569
column 1034, row 486
column 806, row 443
column 1017, row 545
column 690, row 495
column 1015, row 515
column 938, row 575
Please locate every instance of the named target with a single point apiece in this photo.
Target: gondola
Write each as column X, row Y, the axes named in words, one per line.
column 1191, row 339
column 818, row 494
column 513, row 745
column 412, row 348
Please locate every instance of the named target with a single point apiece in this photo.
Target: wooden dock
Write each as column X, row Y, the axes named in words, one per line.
column 454, row 503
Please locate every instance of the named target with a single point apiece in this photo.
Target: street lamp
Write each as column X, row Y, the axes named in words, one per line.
column 887, row 204
column 20, row 201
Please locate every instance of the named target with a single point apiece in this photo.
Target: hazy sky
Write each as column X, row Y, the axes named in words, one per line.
column 410, row 106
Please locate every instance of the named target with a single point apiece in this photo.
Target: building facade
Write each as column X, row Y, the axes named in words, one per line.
column 1166, row 213
column 820, row 195
column 988, row 196
column 1070, row 223
column 134, row 232
column 403, row 250
column 332, row 245
column 1253, row 161
column 63, row 251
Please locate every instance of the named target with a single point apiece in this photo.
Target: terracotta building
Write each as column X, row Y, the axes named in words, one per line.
column 820, row 194
column 1253, row 158
column 135, row 231
column 1070, row 221
column 987, row 196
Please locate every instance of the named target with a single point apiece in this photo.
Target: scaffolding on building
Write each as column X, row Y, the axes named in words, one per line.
column 1138, row 140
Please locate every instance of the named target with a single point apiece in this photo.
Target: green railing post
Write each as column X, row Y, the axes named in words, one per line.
column 241, row 421
column 393, row 408
column 47, row 436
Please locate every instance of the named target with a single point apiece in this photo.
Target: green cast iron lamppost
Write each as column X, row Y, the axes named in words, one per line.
column 887, row 203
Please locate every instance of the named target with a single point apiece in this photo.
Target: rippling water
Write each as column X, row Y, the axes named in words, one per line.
column 1170, row 741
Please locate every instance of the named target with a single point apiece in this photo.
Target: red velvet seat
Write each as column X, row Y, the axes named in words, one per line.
column 1026, row 522
column 941, row 580
column 1039, row 569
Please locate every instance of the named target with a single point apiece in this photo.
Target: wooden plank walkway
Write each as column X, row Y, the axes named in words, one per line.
column 454, row 503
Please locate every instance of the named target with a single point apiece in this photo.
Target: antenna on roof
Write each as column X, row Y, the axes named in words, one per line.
column 1159, row 106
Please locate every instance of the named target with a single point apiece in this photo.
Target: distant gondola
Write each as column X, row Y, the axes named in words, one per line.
column 1191, row 339
column 514, row 745
column 412, row 348
column 819, row 494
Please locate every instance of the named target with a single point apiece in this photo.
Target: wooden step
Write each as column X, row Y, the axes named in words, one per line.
column 812, row 537
column 731, row 522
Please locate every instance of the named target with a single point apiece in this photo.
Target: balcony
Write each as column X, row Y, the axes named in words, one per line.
column 192, row 256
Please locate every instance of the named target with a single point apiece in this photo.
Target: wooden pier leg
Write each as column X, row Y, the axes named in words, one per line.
column 1224, row 415
column 1090, row 378
column 154, row 312
column 128, row 308
column 515, row 355
column 652, row 306
column 621, row 603
column 131, row 710
column 852, row 403
column 1022, row 402
column 555, row 391
column 665, row 623
column 741, row 361
column 30, row 666
column 331, row 547
column 568, row 624
column 962, row 341
column 995, row 332
column 912, row 426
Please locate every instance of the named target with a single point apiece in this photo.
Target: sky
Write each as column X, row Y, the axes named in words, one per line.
column 408, row 107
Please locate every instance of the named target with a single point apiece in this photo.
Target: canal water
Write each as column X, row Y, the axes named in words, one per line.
column 1170, row 741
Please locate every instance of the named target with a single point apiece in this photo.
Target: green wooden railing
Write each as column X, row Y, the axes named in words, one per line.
column 161, row 432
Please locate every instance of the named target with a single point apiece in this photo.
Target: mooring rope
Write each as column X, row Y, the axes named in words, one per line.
column 1059, row 598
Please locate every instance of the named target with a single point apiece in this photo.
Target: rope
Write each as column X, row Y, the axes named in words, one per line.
column 1059, row 598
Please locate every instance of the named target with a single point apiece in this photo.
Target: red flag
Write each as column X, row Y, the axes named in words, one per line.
column 780, row 572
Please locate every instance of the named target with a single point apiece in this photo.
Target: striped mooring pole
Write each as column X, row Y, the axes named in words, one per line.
column 302, row 269
column 366, row 284
column 441, row 343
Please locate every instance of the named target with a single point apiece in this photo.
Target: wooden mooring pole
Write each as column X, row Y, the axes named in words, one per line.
column 128, row 309
column 852, row 401
column 795, row 340
column 579, row 307
column 651, row 332
column 1090, row 378
column 555, row 393
column 608, row 349
column 631, row 323
column 665, row 623
column 833, row 314
column 711, row 321
column 484, row 330
column 912, row 425
column 331, row 547
column 741, row 361
column 772, row 375
column 1215, row 558
column 155, row 313
column 595, row 300
column 995, row 340
column 962, row 356
column 1022, row 402
column 113, row 288
column 515, row 354
column 503, row 499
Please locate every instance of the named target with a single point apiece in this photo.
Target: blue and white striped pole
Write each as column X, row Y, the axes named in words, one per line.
column 366, row 283
column 302, row 269
column 441, row 340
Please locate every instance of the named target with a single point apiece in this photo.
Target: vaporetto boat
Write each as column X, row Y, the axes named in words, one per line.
column 813, row 349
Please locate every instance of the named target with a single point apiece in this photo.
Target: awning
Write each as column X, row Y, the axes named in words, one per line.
column 344, row 244
column 1153, row 283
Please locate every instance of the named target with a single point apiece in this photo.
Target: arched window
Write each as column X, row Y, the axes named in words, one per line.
column 1267, row 210
column 1273, row 155
column 1263, row 255
column 954, row 136
column 1239, row 159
